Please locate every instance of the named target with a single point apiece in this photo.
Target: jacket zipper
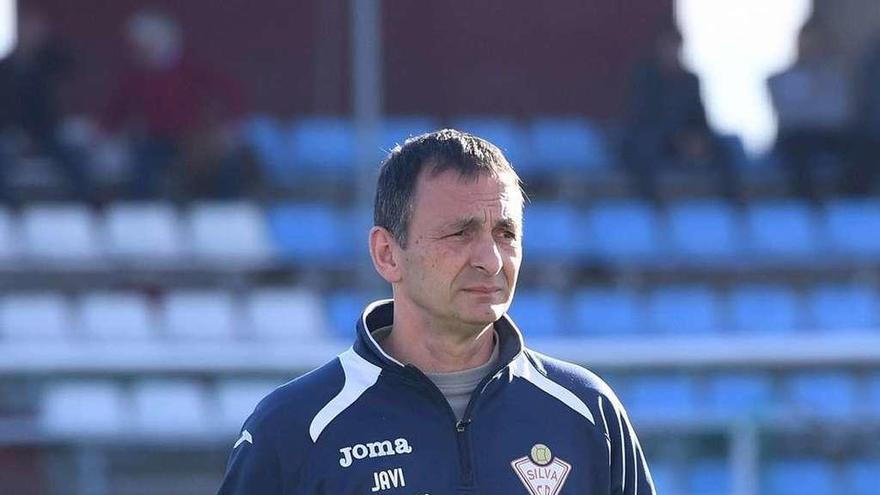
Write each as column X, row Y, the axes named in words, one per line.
column 466, row 479
column 462, row 438
column 464, row 451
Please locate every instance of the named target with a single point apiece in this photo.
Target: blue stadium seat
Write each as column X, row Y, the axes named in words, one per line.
column 704, row 231
column 843, row 307
column 229, row 232
column 614, row 312
column 268, row 140
column 861, row 477
column 830, row 394
column 552, row 232
column 567, row 143
column 538, row 313
column 763, row 308
column 171, row 407
column 311, row 233
column 624, row 230
column 83, row 408
column 192, row 314
column 116, row 315
column 667, row 479
column 800, row 477
column 505, row 133
column 35, row 316
column 137, row 232
column 738, row 395
column 781, row 229
column 709, row 476
column 324, row 146
column 285, row 314
column 661, row 397
column 680, row 309
column 344, row 309
column 62, row 232
column 853, row 227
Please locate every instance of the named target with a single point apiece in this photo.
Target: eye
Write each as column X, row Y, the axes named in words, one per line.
column 508, row 234
column 459, row 233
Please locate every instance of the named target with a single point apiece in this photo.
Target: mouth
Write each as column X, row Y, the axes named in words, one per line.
column 482, row 290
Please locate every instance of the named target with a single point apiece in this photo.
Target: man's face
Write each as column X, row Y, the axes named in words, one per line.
column 464, row 249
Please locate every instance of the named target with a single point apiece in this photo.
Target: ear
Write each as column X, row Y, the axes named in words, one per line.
column 382, row 251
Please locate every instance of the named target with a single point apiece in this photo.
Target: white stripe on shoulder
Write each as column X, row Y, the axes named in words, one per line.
column 360, row 375
column 524, row 369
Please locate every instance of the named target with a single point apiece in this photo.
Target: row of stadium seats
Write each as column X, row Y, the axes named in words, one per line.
column 705, row 231
column 781, row 476
column 325, row 146
column 740, row 395
column 686, row 232
column 698, row 309
column 296, row 313
column 135, row 232
column 184, row 315
column 187, row 406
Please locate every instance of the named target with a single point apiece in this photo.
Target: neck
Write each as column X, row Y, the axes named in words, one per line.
column 437, row 348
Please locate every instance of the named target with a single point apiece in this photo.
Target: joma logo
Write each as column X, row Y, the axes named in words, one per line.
column 373, row 449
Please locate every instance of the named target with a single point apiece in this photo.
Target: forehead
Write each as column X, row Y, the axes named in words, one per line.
column 449, row 194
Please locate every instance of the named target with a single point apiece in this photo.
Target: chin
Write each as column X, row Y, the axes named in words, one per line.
column 487, row 314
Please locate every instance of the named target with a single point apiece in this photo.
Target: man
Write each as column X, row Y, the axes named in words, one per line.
column 438, row 395
column 31, row 81
column 812, row 100
column 179, row 114
column 666, row 126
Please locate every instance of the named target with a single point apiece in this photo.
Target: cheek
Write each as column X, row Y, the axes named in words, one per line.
column 512, row 262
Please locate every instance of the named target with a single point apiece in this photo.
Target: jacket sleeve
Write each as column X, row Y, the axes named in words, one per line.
column 254, row 465
column 629, row 470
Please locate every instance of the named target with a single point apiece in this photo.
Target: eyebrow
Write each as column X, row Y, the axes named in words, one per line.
column 469, row 222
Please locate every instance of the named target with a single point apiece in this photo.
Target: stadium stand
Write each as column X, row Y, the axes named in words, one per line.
column 552, row 233
column 224, row 281
column 61, row 412
column 539, row 309
column 704, row 231
column 115, row 316
column 763, row 308
column 142, row 232
column 323, row 147
column 800, row 477
column 43, row 226
column 624, row 230
column 566, row 145
column 200, row 314
column 604, row 311
column 683, row 309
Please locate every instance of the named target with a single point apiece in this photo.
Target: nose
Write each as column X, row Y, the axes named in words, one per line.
column 485, row 255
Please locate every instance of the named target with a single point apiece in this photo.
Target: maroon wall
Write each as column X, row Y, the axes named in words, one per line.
column 514, row 56
column 442, row 57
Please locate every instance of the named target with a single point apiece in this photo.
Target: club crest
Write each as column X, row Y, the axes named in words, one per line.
column 540, row 472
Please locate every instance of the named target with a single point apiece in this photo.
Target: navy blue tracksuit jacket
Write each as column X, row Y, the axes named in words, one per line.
column 364, row 423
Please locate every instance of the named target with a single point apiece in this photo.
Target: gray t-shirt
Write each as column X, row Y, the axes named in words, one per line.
column 456, row 386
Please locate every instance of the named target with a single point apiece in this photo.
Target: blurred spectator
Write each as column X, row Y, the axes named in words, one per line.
column 180, row 116
column 812, row 102
column 867, row 123
column 29, row 112
column 667, row 123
